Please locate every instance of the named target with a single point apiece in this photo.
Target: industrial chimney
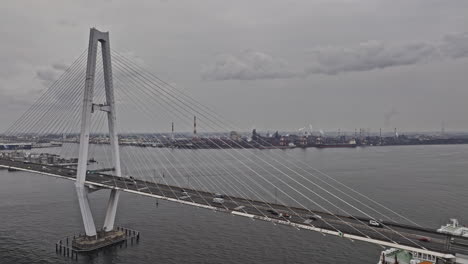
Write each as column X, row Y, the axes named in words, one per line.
column 194, row 126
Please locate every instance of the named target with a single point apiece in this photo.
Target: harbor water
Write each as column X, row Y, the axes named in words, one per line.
column 427, row 184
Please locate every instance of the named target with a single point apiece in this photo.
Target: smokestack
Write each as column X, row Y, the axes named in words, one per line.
column 194, row 126
column 380, row 136
column 172, row 132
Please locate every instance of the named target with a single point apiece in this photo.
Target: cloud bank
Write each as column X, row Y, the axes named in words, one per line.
column 51, row 73
column 332, row 60
column 248, row 65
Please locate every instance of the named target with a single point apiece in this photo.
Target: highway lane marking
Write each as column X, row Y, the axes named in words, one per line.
column 144, row 188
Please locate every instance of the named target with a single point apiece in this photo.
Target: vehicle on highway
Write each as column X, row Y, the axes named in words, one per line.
column 285, row 215
column 218, row 200
column 424, row 239
column 219, row 195
column 374, row 223
column 314, row 217
column 183, row 192
column 273, row 212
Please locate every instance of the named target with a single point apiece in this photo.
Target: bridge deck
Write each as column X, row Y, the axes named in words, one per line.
column 439, row 245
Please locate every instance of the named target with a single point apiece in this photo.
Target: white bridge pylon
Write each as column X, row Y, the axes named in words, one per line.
column 96, row 37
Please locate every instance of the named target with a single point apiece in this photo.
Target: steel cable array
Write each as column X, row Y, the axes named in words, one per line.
column 240, row 171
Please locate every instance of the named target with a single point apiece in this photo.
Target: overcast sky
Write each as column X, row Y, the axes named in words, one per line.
column 266, row 64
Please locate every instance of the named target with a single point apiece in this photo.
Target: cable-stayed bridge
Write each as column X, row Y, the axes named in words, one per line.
column 106, row 100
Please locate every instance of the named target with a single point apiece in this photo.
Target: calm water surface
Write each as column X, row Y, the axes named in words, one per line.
column 425, row 183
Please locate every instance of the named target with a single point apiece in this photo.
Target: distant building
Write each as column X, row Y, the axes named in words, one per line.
column 235, row 136
column 14, row 146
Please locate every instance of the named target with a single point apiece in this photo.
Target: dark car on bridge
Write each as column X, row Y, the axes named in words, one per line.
column 425, row 239
column 314, row 217
column 273, row 212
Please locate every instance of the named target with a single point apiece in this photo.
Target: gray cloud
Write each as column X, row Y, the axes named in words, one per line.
column 51, row 73
column 248, row 65
column 59, row 66
column 455, row 45
column 373, row 55
column 46, row 75
column 67, row 23
column 331, row 60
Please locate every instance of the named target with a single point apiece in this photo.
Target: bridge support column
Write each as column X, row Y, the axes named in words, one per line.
column 111, row 210
column 96, row 37
column 88, row 221
column 113, row 137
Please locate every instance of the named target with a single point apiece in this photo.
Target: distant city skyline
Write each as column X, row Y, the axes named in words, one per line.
column 337, row 64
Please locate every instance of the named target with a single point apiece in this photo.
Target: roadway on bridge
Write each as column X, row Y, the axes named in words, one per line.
column 358, row 226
